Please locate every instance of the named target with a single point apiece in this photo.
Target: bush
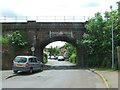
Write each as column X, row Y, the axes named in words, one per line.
column 73, row 58
column 4, row 40
column 17, row 39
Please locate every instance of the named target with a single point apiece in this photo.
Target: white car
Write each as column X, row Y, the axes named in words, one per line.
column 51, row 57
column 60, row 58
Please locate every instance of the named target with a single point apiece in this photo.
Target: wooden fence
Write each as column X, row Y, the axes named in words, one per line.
column 118, row 54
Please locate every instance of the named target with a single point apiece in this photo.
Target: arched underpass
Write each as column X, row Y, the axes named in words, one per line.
column 72, row 41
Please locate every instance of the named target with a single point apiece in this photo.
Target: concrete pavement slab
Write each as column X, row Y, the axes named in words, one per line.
column 6, row 74
column 0, row 80
column 111, row 77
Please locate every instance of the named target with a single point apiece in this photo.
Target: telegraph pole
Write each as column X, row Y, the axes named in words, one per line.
column 112, row 40
column 112, row 46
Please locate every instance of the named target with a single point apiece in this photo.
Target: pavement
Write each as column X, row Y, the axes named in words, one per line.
column 0, row 79
column 111, row 77
column 6, row 73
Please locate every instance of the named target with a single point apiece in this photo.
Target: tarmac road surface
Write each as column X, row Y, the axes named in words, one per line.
column 61, row 78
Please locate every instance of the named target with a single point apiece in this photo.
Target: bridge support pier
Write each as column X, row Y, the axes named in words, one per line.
column 39, row 54
column 80, row 57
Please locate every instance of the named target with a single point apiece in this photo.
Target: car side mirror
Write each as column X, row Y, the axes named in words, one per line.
column 38, row 61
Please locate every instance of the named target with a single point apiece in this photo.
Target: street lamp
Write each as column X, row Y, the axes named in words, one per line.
column 112, row 40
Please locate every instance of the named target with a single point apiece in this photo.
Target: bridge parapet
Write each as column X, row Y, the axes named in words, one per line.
column 43, row 25
column 44, row 18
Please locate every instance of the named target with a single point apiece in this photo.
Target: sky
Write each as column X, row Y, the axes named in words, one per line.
column 57, row 43
column 54, row 7
column 87, row 8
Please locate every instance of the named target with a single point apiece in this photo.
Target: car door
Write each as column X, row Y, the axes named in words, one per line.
column 40, row 64
column 31, row 63
column 36, row 64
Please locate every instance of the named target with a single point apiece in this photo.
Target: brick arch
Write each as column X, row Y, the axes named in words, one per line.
column 72, row 41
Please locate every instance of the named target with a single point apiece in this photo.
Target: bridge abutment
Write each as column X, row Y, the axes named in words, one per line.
column 80, row 57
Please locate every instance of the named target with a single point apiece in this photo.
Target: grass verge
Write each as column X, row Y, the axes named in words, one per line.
column 104, row 69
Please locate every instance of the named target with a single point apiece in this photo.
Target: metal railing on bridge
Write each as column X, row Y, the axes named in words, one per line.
column 44, row 18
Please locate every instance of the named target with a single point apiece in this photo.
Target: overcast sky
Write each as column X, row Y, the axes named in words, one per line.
column 54, row 7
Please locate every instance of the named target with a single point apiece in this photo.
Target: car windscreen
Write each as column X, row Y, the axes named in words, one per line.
column 20, row 59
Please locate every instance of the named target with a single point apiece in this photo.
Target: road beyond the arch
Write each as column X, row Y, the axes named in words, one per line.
column 52, row 62
column 63, row 78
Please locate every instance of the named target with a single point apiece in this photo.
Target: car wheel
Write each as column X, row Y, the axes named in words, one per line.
column 15, row 71
column 31, row 70
column 41, row 68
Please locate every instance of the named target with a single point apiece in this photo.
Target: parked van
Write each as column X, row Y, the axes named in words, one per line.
column 27, row 64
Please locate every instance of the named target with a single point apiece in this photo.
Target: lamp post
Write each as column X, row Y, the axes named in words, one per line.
column 112, row 40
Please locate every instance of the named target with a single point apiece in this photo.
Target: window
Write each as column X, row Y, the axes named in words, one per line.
column 33, row 60
column 20, row 59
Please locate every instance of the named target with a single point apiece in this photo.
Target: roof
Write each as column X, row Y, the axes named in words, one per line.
column 25, row 56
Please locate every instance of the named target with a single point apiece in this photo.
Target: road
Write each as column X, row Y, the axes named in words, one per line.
column 70, row 78
column 53, row 62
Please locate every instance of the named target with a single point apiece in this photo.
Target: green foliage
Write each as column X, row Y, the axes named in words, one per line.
column 17, row 39
column 4, row 40
column 118, row 25
column 73, row 58
column 71, row 52
column 97, row 39
column 45, row 58
column 104, row 69
column 53, row 51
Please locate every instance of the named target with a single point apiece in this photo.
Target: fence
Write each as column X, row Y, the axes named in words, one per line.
column 118, row 53
column 45, row 18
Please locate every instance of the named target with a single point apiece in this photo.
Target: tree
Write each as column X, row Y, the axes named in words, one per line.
column 97, row 39
column 71, row 52
column 118, row 25
column 53, row 51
